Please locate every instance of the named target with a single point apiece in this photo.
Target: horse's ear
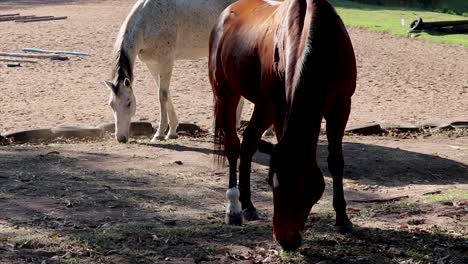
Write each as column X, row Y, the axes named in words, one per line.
column 111, row 86
column 127, row 83
column 266, row 147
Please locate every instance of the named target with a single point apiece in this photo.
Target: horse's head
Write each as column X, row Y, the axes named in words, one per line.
column 123, row 104
column 295, row 191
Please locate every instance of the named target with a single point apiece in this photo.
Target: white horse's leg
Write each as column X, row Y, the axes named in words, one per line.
column 167, row 114
column 162, row 76
column 165, row 98
column 240, row 106
column 173, row 120
column 213, row 123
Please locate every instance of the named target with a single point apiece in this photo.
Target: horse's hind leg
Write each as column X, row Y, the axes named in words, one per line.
column 259, row 122
column 240, row 106
column 226, row 121
column 336, row 123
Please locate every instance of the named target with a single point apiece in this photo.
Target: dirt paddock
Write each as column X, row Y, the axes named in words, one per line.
column 103, row 202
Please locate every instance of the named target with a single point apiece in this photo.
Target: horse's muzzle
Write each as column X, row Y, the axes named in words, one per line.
column 290, row 242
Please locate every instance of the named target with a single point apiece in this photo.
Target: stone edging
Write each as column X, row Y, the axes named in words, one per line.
column 148, row 129
column 70, row 132
column 378, row 129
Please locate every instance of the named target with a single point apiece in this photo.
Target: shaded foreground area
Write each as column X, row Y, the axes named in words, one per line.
column 102, row 202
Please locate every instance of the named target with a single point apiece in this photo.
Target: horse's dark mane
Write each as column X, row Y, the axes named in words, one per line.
column 313, row 68
column 123, row 68
column 320, row 40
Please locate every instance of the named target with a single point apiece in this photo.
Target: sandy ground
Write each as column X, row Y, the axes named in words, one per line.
column 401, row 81
column 102, row 202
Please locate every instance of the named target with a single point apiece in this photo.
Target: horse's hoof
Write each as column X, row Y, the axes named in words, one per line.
column 157, row 138
column 345, row 229
column 175, row 136
column 233, row 219
column 250, row 215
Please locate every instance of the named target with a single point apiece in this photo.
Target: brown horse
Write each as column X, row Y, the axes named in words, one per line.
column 294, row 60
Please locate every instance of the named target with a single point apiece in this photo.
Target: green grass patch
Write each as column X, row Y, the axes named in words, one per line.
column 446, row 197
column 388, row 19
column 293, row 257
column 457, row 7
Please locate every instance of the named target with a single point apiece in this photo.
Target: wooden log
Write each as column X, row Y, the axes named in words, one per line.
column 418, row 25
column 23, row 55
column 393, row 199
column 77, row 53
column 446, row 23
column 20, row 61
column 36, row 19
column 13, row 64
column 9, row 15
column 13, row 18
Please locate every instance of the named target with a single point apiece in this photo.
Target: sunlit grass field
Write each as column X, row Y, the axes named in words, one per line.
column 389, row 19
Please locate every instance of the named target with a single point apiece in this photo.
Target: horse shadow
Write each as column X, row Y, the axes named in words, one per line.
column 391, row 167
column 372, row 164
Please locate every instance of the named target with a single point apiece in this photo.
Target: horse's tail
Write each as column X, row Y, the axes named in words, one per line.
column 218, row 135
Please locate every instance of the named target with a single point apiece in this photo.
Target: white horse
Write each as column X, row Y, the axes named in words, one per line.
column 159, row 32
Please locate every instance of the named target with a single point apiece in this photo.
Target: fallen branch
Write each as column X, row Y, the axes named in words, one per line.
column 20, row 61
column 13, row 64
column 78, row 53
column 12, row 18
column 9, row 15
column 431, row 193
column 39, row 56
column 37, row 19
column 394, row 199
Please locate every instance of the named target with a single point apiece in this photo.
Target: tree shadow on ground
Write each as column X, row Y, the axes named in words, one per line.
column 376, row 245
column 91, row 214
column 373, row 164
column 110, row 216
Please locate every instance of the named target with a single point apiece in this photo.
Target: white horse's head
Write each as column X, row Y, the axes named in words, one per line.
column 123, row 104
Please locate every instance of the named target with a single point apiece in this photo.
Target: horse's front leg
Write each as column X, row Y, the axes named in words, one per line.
column 336, row 123
column 259, row 122
column 167, row 112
